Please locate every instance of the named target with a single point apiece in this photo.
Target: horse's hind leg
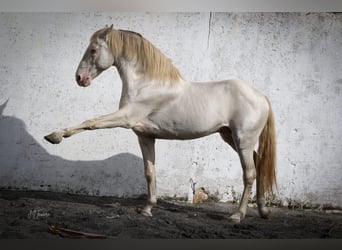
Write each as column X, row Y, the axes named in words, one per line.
column 147, row 149
column 249, row 175
column 249, row 171
column 264, row 212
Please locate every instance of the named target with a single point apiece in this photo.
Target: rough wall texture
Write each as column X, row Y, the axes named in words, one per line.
column 294, row 58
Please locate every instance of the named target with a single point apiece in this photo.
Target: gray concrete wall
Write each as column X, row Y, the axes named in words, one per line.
column 294, row 58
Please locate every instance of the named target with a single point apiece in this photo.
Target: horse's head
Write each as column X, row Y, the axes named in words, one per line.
column 97, row 58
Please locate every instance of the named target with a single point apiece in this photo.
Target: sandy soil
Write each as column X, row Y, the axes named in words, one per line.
column 29, row 214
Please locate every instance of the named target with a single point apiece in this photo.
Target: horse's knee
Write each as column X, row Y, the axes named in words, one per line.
column 149, row 174
column 90, row 124
column 249, row 177
column 247, row 162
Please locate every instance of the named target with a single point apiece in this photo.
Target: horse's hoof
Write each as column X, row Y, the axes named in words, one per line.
column 265, row 212
column 146, row 213
column 235, row 219
column 54, row 138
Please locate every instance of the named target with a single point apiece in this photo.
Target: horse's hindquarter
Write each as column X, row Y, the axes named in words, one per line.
column 200, row 110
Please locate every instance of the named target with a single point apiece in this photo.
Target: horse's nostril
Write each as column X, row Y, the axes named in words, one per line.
column 78, row 78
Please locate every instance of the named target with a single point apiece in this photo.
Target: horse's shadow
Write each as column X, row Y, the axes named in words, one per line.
column 25, row 164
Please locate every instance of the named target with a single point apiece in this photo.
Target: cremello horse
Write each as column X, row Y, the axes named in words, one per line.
column 157, row 103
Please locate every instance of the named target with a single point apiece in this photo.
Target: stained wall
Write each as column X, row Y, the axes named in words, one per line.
column 294, row 58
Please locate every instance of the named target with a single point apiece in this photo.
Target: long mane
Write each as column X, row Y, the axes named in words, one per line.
column 133, row 46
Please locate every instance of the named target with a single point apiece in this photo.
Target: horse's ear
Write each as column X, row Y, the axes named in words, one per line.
column 106, row 31
column 107, row 27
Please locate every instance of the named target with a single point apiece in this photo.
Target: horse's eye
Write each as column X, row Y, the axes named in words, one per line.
column 93, row 51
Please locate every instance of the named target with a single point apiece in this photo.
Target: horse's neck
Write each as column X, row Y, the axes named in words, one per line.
column 131, row 76
column 135, row 85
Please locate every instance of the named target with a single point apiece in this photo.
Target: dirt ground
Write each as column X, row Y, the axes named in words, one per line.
column 39, row 215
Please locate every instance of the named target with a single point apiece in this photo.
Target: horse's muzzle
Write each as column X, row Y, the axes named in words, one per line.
column 83, row 80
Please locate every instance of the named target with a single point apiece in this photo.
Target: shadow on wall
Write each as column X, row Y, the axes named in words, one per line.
column 25, row 164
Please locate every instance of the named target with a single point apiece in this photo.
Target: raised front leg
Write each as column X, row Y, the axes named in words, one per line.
column 121, row 118
column 147, row 149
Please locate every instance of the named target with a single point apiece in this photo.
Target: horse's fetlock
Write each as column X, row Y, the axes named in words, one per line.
column 152, row 201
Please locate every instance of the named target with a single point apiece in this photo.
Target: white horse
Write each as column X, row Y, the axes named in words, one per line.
column 157, row 103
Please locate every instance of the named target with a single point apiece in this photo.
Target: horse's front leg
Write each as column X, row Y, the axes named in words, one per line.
column 147, row 149
column 121, row 118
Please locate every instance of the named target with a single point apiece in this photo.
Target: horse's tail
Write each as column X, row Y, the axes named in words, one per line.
column 266, row 159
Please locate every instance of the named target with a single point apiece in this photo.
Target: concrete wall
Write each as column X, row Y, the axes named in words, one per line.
column 294, row 58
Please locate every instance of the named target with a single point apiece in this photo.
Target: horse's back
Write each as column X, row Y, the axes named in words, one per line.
column 235, row 96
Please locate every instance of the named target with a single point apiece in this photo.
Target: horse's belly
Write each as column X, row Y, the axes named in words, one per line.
column 176, row 134
column 176, row 129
